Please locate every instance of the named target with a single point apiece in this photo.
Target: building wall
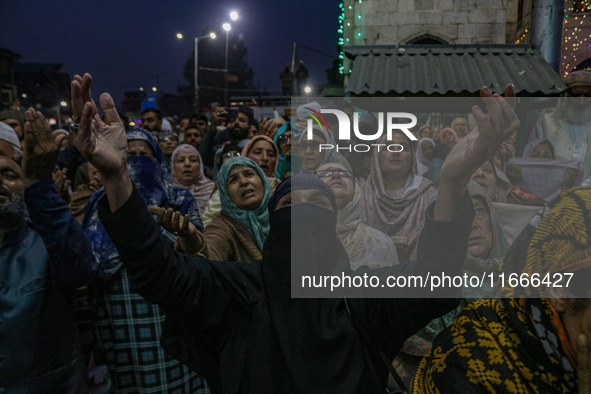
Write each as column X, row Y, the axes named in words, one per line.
column 388, row 22
column 576, row 40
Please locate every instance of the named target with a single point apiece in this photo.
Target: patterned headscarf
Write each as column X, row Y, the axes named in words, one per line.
column 256, row 220
column 203, row 187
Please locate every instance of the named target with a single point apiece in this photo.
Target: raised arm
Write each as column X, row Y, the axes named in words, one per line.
column 70, row 256
column 177, row 282
column 494, row 126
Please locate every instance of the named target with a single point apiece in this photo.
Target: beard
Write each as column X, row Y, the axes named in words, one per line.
column 238, row 133
column 577, row 115
column 12, row 211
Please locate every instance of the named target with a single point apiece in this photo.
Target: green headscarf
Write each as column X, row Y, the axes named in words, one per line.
column 256, row 220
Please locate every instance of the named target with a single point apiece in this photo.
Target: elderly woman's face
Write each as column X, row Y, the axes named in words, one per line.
column 186, row 168
column 312, row 157
column 542, row 151
column 245, row 187
column 485, row 177
column 480, row 240
column 341, row 183
column 263, row 153
column 396, row 163
column 139, row 148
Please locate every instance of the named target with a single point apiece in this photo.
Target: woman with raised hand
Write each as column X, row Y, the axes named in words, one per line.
column 237, row 324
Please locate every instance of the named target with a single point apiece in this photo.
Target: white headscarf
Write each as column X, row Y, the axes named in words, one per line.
column 423, row 164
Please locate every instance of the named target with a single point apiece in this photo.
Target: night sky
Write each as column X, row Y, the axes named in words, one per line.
column 128, row 44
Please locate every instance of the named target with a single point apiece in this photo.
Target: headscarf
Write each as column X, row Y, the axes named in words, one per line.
column 331, row 156
column 529, row 148
column 519, row 344
column 364, row 245
column 543, row 178
column 283, row 129
column 445, row 130
column 253, row 141
column 423, row 164
column 256, row 221
column 306, row 325
column 203, row 187
column 420, row 343
column 401, row 217
column 147, row 175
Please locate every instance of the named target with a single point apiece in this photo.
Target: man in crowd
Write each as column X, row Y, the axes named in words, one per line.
column 460, row 126
column 568, row 126
column 9, row 144
column 42, row 263
column 16, row 120
column 152, row 120
column 200, row 120
column 193, row 135
column 286, row 77
column 236, row 131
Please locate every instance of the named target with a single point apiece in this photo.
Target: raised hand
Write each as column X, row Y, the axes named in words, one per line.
column 41, row 150
column 81, row 94
column 102, row 143
column 189, row 238
column 477, row 147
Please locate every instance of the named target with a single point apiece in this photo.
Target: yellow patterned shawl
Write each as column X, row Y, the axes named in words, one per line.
column 499, row 346
column 518, row 345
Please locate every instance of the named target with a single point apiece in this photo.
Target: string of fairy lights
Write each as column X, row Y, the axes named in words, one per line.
column 348, row 16
column 576, row 35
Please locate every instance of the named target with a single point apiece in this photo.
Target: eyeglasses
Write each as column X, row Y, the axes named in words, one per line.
column 230, row 154
column 329, row 172
column 284, row 137
column 314, row 146
column 166, row 139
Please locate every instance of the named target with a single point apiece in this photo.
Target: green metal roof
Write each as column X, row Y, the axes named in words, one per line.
column 449, row 70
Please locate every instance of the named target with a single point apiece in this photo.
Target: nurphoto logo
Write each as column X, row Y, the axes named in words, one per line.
column 393, row 122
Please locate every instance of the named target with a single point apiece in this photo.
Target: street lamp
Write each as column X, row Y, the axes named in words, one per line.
column 211, row 35
column 227, row 27
column 234, row 15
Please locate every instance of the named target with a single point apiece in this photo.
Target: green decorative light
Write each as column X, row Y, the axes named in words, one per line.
column 342, row 40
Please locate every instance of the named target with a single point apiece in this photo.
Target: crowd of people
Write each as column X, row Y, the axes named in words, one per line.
column 159, row 258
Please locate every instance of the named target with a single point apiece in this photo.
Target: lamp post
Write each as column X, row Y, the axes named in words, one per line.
column 196, row 70
column 227, row 27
